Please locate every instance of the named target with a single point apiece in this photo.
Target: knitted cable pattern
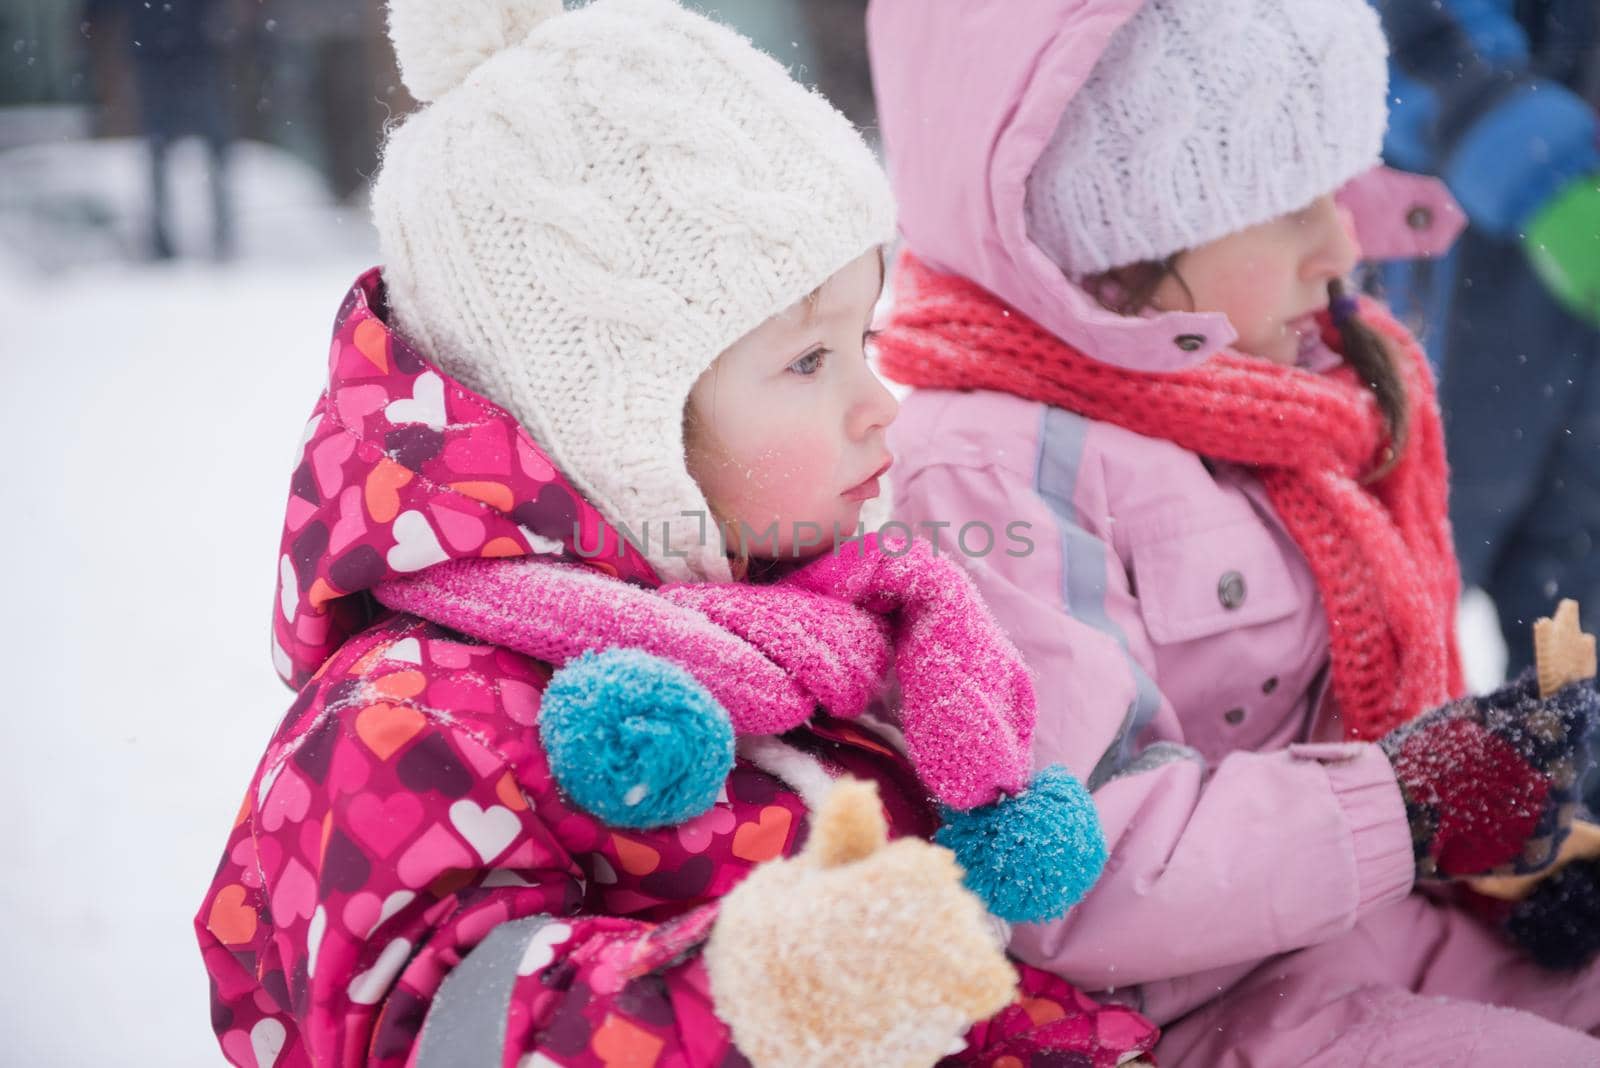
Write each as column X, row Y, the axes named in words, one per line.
column 1381, row 553
column 609, row 198
column 1155, row 154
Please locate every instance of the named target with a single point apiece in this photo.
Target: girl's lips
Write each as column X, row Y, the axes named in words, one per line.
column 867, row 489
column 864, row 492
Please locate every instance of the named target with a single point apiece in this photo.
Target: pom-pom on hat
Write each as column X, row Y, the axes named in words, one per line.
column 438, row 45
column 593, row 204
column 1205, row 117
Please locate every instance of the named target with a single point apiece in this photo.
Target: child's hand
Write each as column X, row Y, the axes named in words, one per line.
column 1491, row 783
column 855, row 952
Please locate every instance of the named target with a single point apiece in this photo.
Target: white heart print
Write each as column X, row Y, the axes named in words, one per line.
column 266, row 1041
column 369, row 987
column 404, row 651
column 415, row 546
column 542, row 947
column 487, row 830
column 314, row 932
column 425, row 406
column 288, row 588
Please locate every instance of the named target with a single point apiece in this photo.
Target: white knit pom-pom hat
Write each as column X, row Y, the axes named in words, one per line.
column 1205, row 117
column 596, row 203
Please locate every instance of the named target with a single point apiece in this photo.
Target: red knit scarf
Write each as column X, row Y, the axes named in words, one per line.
column 1381, row 552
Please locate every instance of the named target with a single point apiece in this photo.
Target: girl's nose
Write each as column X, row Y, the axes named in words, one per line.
column 875, row 408
column 1332, row 250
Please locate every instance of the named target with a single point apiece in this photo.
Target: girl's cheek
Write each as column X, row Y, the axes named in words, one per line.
column 805, row 471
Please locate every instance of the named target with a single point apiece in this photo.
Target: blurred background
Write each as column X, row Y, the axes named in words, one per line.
column 183, row 202
column 142, row 131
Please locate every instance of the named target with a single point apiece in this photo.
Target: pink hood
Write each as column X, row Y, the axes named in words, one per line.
column 402, row 468
column 968, row 96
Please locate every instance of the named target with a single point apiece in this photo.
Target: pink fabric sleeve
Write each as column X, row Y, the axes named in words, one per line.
column 443, row 953
column 1211, row 867
column 1364, row 784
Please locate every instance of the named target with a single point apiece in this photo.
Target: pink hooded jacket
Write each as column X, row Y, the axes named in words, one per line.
column 404, row 883
column 1176, row 630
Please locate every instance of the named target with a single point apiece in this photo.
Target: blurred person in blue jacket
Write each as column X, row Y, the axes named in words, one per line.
column 1499, row 97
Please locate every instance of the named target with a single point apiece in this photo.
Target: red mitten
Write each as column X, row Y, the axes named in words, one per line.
column 1491, row 783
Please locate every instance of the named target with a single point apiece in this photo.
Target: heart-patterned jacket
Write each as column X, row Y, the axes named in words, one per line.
column 404, row 882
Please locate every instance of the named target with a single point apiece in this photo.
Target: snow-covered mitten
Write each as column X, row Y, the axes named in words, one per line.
column 1559, row 923
column 1491, row 783
column 1554, row 915
column 1031, row 844
column 855, row 951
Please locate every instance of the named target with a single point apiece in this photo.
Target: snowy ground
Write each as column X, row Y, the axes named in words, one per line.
column 152, row 413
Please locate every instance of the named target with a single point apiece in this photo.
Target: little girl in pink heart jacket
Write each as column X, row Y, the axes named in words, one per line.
column 542, row 734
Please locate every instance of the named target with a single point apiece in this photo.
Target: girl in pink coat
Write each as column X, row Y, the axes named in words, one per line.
column 541, row 736
column 1128, row 224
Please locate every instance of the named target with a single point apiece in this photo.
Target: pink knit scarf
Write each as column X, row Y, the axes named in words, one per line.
column 1381, row 552
column 824, row 635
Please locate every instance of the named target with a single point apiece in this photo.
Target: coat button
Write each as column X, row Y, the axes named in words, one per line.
column 1420, row 217
column 1234, row 716
column 1270, row 685
column 1189, row 342
column 1230, row 590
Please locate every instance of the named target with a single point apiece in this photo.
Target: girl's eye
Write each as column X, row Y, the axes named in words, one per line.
column 810, row 363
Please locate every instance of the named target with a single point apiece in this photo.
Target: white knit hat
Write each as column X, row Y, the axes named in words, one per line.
column 593, row 206
column 1204, row 117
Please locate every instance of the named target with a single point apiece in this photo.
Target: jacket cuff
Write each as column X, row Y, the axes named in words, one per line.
column 1369, row 797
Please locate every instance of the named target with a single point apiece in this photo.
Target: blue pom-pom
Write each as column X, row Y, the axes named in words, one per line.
column 1032, row 856
column 635, row 740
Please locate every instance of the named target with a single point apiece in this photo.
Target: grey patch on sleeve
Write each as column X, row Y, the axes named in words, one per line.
column 1083, row 574
column 466, row 1025
column 1114, row 757
column 1154, row 756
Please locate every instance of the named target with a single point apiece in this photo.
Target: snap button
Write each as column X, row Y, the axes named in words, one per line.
column 1230, row 590
column 1420, row 217
column 1234, row 716
column 1189, row 342
column 1270, row 685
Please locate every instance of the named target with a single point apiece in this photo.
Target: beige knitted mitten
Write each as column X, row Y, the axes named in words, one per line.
column 855, row 952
